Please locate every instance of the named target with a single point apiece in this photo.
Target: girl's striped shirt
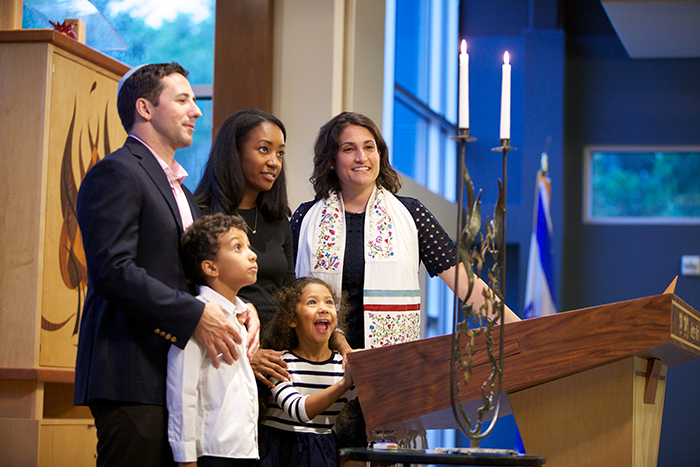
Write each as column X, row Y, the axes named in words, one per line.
column 286, row 410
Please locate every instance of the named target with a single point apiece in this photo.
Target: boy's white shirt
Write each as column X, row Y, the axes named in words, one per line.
column 212, row 412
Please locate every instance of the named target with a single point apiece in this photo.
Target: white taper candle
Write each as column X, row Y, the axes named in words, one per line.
column 464, row 86
column 505, row 98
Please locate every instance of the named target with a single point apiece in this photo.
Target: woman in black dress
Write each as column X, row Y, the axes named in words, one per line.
column 245, row 175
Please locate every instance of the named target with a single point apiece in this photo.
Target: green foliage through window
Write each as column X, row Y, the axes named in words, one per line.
column 653, row 185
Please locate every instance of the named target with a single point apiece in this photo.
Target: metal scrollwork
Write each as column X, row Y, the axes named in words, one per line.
column 472, row 322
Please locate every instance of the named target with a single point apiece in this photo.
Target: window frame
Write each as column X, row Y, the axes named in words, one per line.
column 438, row 154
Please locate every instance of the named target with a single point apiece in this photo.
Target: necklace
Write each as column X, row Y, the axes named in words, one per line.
column 254, row 230
column 255, row 227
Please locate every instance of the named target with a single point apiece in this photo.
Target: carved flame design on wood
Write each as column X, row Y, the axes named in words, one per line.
column 72, row 262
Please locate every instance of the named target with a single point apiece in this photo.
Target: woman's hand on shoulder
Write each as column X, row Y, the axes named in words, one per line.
column 268, row 362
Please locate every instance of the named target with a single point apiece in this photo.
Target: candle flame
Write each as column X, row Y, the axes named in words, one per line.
column 506, row 58
column 464, row 46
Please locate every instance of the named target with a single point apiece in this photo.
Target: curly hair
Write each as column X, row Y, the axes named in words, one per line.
column 279, row 335
column 223, row 185
column 324, row 178
column 146, row 82
column 201, row 242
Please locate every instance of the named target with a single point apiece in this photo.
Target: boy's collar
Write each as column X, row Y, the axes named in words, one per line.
column 212, row 295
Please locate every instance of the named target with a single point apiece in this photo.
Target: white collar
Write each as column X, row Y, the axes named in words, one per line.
column 210, row 295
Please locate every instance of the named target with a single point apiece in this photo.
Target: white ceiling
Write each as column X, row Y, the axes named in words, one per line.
column 656, row 28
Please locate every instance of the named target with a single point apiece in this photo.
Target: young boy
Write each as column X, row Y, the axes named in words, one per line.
column 213, row 413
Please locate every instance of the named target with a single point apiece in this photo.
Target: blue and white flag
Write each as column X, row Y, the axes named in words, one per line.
column 539, row 295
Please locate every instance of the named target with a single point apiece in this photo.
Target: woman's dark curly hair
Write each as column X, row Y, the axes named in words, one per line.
column 324, row 178
column 279, row 335
column 223, row 185
column 200, row 242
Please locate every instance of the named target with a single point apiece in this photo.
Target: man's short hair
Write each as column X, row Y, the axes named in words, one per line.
column 146, row 82
column 200, row 242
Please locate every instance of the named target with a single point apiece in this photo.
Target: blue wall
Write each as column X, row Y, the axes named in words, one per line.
column 573, row 81
column 614, row 100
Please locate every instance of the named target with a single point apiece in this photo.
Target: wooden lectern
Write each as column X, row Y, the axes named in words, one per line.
column 58, row 114
column 586, row 387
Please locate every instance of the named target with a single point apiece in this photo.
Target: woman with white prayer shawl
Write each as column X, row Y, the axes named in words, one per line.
column 361, row 238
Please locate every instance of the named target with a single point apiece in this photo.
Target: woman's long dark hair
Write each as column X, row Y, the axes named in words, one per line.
column 324, row 178
column 222, row 186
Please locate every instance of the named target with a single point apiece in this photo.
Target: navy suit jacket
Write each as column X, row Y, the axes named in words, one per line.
column 138, row 301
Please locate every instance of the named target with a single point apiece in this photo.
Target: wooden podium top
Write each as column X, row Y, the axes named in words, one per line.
column 66, row 43
column 536, row 351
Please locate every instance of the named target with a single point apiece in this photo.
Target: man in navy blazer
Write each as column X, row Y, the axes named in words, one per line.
column 132, row 210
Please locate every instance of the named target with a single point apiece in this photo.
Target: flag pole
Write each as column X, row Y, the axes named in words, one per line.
column 539, row 293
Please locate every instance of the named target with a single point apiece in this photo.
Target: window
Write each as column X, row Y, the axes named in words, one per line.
column 642, row 185
column 136, row 32
column 421, row 102
column 420, row 106
column 423, row 82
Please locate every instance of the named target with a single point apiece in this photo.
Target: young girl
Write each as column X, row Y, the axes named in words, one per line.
column 297, row 429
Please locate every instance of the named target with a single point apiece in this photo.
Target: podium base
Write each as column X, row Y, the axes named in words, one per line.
column 602, row 416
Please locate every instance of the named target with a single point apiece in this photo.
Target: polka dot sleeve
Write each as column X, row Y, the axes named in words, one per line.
column 295, row 223
column 437, row 251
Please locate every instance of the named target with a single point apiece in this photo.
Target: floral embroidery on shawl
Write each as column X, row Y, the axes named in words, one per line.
column 381, row 237
column 392, row 328
column 329, row 234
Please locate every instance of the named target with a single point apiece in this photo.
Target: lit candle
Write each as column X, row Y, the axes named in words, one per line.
column 505, row 98
column 464, row 86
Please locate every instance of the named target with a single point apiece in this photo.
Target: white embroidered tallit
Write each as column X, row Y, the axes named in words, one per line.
column 391, row 288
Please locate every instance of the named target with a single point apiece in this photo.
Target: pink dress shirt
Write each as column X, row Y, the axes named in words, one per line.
column 176, row 174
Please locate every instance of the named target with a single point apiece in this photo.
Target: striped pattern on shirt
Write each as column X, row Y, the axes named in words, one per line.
column 287, row 402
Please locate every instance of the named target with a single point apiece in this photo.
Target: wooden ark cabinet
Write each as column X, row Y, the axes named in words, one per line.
column 58, row 117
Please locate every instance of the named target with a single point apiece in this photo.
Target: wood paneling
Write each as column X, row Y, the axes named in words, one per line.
column 11, row 14
column 22, row 433
column 74, row 443
column 31, row 158
column 52, row 375
column 23, row 80
column 21, row 399
column 49, row 36
column 59, row 115
column 84, row 127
